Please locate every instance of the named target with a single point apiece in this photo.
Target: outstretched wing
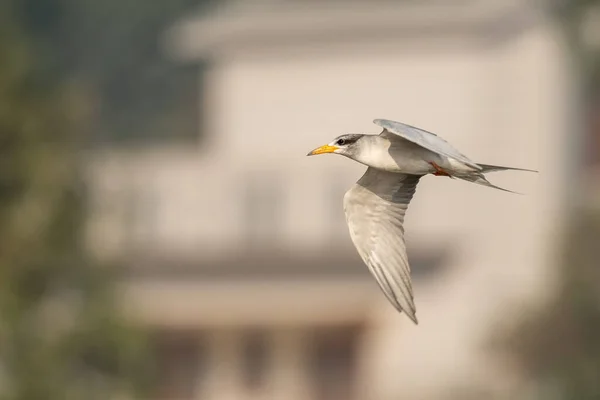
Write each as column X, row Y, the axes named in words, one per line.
column 425, row 139
column 375, row 207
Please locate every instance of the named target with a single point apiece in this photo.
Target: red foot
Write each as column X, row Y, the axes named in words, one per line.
column 438, row 171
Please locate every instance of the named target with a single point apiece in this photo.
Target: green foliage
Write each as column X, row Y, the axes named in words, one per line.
column 61, row 336
column 571, row 14
column 560, row 344
column 114, row 46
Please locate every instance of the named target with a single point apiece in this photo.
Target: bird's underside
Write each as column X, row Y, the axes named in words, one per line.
column 439, row 171
column 375, row 207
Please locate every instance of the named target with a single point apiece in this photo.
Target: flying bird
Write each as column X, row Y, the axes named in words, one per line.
column 375, row 206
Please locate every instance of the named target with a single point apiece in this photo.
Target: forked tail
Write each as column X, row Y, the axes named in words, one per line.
column 480, row 179
column 485, row 168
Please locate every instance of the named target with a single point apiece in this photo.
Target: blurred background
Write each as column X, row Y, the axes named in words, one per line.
column 163, row 236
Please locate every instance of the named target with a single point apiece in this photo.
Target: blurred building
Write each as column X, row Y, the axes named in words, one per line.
column 236, row 248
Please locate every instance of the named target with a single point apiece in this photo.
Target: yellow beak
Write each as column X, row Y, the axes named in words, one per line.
column 323, row 149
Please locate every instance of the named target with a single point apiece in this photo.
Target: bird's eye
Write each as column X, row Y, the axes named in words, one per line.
column 341, row 142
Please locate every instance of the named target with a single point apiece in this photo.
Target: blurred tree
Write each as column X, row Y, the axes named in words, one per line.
column 580, row 20
column 61, row 335
column 113, row 46
column 559, row 346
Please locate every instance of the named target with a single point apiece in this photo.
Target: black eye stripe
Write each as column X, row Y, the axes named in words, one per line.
column 345, row 141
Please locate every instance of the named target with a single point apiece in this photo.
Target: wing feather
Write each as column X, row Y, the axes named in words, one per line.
column 375, row 208
column 425, row 139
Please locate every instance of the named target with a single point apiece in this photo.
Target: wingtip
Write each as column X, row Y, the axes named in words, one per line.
column 412, row 317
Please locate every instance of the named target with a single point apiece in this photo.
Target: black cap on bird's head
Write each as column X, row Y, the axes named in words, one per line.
column 339, row 145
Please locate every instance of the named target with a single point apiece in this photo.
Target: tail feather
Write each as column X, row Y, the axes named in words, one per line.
column 485, row 168
column 480, row 180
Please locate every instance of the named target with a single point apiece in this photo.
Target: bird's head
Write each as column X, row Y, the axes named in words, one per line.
column 347, row 145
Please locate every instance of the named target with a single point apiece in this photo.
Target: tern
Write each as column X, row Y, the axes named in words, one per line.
column 375, row 206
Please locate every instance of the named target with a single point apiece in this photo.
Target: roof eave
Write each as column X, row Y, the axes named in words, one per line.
column 221, row 33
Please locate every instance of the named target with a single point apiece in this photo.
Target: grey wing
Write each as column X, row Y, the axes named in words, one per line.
column 425, row 139
column 375, row 207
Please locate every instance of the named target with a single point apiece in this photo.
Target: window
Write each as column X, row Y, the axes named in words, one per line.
column 254, row 360
column 262, row 203
column 159, row 102
column 181, row 364
column 333, row 362
column 143, row 207
column 594, row 135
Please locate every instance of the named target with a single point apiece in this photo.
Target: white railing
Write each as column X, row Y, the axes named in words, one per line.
column 177, row 203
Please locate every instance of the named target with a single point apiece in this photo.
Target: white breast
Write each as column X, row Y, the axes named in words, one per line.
column 396, row 156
